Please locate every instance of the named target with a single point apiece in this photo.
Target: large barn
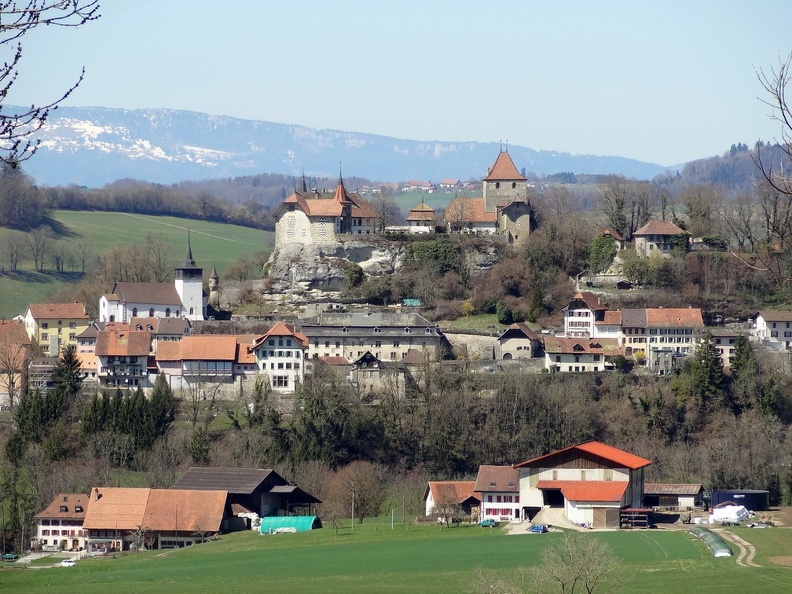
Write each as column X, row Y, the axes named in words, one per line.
column 591, row 481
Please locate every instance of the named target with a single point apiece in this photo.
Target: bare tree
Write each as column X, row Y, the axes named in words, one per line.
column 38, row 242
column 17, row 19
column 13, row 358
column 625, row 204
column 387, row 210
column 577, row 563
column 774, row 83
column 458, row 213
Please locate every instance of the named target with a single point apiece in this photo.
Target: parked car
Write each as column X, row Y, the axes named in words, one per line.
column 538, row 528
column 488, row 523
column 68, row 563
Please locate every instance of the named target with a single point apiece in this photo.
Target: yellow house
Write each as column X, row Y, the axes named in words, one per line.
column 53, row 326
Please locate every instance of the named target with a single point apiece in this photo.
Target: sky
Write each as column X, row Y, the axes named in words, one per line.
column 665, row 81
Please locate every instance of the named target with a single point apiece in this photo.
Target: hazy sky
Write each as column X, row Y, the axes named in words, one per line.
column 663, row 81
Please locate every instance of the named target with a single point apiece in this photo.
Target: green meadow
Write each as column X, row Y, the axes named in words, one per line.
column 374, row 558
column 213, row 244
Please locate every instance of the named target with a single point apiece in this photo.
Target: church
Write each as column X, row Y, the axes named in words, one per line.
column 184, row 298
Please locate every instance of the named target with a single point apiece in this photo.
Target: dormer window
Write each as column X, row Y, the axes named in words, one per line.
column 407, row 330
column 344, row 330
column 78, row 509
column 376, row 330
column 63, row 509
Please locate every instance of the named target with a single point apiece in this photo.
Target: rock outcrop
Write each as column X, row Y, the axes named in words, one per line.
column 317, row 271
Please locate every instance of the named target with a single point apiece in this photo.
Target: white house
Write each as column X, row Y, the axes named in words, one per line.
column 518, row 341
column 580, row 314
column 280, row 355
column 444, row 496
column 60, row 524
column 774, row 328
column 655, row 238
column 498, row 487
column 591, row 481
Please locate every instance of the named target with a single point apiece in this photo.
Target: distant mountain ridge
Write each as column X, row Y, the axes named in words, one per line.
column 93, row 146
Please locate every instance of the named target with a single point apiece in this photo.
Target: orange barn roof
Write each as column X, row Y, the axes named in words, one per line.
column 596, row 448
column 604, row 491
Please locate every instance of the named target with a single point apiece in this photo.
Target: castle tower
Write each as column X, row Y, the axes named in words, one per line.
column 189, row 286
column 503, row 182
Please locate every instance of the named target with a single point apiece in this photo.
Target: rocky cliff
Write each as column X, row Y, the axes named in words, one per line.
column 316, row 271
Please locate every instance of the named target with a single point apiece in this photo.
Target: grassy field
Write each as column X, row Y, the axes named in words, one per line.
column 212, row 243
column 374, row 558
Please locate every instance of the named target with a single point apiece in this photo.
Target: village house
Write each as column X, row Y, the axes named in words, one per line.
column 595, row 484
column 774, row 329
column 468, row 215
column 310, row 217
column 122, row 357
column 59, row 526
column 518, row 341
column 54, row 326
column 580, row 315
column 387, row 335
column 369, row 376
column 421, row 219
column 443, row 498
column 725, row 340
column 199, row 363
column 677, row 329
column 657, row 237
column 280, row 356
column 498, row 487
column 580, row 354
column 118, row 519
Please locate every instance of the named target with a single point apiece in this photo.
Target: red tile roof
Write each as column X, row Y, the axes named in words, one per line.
column 13, row 332
column 683, row 317
column 659, row 228
column 71, row 501
column 156, row 509
column 615, row 234
column 209, row 347
column 282, row 329
column 451, row 491
column 497, row 478
column 613, row 318
column 468, row 210
column 58, row 311
column 119, row 341
column 615, row 455
column 602, row 491
column 590, row 299
column 245, row 354
column 336, row 361
column 504, row 169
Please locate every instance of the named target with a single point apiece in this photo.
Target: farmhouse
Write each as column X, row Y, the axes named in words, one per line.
column 448, row 497
column 498, row 487
column 117, row 518
column 591, row 481
column 60, row 524
column 580, row 354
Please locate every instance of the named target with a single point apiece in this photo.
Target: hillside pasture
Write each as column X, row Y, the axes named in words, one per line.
column 427, row 558
column 213, row 244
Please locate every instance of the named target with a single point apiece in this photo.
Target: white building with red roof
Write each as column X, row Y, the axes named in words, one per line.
column 60, row 525
column 310, row 217
column 498, row 487
column 592, row 482
column 447, row 497
column 280, row 356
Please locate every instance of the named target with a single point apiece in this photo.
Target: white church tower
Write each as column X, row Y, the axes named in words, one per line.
column 189, row 286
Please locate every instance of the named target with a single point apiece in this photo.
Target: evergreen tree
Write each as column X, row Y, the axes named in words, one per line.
column 162, row 406
column 199, row 446
column 66, row 374
column 707, row 379
column 742, row 358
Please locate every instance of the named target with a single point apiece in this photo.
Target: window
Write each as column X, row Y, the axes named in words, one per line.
column 378, row 343
column 45, row 336
column 489, row 498
column 280, row 381
column 45, row 325
column 72, row 325
column 72, row 336
column 558, row 358
column 280, row 342
column 151, row 312
column 498, row 499
column 396, row 343
column 167, row 312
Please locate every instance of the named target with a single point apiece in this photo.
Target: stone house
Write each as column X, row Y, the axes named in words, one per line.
column 655, row 237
